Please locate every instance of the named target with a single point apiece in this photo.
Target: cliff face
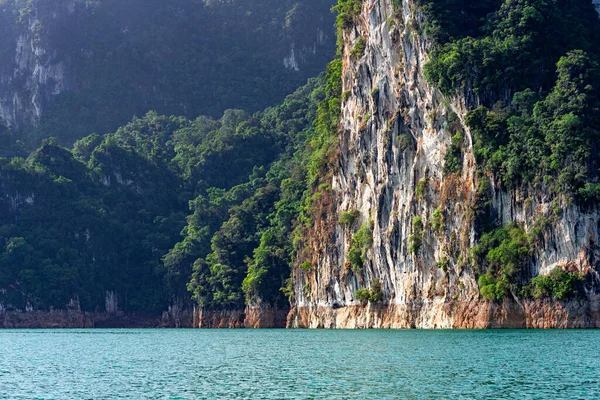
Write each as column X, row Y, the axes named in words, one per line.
column 31, row 73
column 395, row 130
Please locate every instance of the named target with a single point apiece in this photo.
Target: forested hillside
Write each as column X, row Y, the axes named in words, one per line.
column 535, row 100
column 107, row 215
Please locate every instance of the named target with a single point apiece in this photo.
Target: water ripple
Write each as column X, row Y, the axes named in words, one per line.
column 280, row 364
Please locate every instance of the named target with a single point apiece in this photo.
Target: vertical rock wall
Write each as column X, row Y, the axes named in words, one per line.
column 394, row 132
column 35, row 73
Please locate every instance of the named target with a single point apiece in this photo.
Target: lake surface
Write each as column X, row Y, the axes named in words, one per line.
column 299, row 364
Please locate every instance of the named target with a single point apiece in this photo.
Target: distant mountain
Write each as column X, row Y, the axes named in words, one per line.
column 70, row 68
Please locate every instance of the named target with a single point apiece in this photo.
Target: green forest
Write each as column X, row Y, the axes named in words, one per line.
column 534, row 116
column 163, row 205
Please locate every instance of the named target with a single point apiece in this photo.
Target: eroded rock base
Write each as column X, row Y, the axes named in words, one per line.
column 251, row 317
column 79, row 319
column 510, row 313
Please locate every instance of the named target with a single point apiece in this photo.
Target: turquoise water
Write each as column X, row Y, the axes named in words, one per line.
column 299, row 364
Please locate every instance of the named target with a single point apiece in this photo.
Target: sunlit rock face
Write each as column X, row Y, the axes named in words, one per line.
column 395, row 130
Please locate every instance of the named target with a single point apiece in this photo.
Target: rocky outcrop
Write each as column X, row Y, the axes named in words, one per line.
column 174, row 317
column 79, row 319
column 395, row 130
column 453, row 314
column 38, row 319
column 72, row 316
column 259, row 316
column 178, row 316
column 36, row 73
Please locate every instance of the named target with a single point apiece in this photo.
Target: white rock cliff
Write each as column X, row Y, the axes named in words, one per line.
column 388, row 102
column 35, row 75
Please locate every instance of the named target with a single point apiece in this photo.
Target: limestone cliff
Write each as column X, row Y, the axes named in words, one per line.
column 31, row 73
column 394, row 132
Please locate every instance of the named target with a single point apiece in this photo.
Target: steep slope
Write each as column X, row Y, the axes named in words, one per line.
column 72, row 68
column 429, row 235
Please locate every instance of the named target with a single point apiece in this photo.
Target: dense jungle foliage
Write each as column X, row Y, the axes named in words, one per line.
column 529, row 72
column 529, row 69
column 107, row 215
